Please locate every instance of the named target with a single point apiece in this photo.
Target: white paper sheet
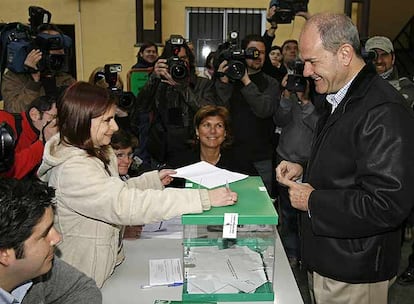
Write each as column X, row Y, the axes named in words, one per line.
column 165, row 272
column 208, row 175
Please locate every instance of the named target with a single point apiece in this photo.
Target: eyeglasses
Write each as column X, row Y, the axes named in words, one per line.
column 52, row 116
column 124, row 155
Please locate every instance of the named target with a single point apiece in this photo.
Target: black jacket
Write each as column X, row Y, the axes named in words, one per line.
column 362, row 167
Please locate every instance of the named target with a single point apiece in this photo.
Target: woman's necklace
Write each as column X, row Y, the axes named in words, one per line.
column 211, row 162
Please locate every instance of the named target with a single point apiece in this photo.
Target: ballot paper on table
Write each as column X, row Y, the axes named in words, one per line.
column 165, row 272
column 225, row 271
column 208, row 175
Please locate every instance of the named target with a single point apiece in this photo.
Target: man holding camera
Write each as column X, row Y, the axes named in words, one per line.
column 252, row 101
column 171, row 96
column 19, row 89
column 31, row 129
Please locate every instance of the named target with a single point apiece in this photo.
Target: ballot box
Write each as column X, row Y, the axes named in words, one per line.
column 228, row 252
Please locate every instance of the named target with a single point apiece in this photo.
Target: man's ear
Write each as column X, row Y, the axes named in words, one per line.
column 6, row 256
column 34, row 114
column 345, row 54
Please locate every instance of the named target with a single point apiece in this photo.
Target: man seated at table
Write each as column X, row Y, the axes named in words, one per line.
column 29, row 273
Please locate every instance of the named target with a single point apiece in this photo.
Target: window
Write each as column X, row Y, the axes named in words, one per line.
column 208, row 27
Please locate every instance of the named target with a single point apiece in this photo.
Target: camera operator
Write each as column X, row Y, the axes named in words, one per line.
column 252, row 101
column 104, row 78
column 36, row 125
column 171, row 96
column 18, row 89
column 289, row 47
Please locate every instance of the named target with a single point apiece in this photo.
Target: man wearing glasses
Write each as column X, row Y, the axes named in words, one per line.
column 31, row 130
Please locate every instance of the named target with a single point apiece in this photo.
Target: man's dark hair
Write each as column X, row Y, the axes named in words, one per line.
column 22, row 204
column 42, row 103
column 145, row 45
column 48, row 27
column 122, row 139
column 250, row 38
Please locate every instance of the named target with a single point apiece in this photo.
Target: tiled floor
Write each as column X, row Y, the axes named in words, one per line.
column 398, row 294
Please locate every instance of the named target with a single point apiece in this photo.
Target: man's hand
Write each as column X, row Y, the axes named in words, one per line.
column 48, row 130
column 161, row 70
column 287, row 171
column 32, row 59
column 246, row 79
column 305, row 15
column 299, row 194
column 222, row 68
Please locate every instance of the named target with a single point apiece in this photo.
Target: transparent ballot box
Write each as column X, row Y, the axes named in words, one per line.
column 228, row 252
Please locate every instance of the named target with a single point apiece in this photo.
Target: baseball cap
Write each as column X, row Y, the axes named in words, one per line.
column 379, row 42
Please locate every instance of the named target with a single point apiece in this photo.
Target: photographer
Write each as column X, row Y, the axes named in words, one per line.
column 172, row 96
column 18, row 89
column 289, row 47
column 104, row 78
column 252, row 101
column 36, row 125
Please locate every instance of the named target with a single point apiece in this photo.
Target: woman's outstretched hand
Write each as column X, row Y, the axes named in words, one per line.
column 165, row 176
column 222, row 197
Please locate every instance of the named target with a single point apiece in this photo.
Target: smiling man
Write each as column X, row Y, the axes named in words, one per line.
column 29, row 272
column 357, row 186
column 384, row 64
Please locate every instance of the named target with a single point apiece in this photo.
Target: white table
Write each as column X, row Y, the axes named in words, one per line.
column 124, row 286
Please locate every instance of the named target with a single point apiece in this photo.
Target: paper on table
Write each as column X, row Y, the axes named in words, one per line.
column 208, row 175
column 225, row 271
column 165, row 272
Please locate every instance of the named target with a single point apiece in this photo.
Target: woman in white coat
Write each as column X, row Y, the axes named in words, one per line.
column 92, row 201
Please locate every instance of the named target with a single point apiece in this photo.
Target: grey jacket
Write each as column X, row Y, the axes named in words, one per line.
column 298, row 122
column 64, row 285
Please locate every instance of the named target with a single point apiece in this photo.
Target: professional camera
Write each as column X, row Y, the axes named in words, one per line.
column 295, row 81
column 177, row 68
column 235, row 57
column 126, row 100
column 287, row 9
column 24, row 39
column 368, row 56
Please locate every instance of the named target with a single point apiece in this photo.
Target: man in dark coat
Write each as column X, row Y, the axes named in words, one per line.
column 357, row 189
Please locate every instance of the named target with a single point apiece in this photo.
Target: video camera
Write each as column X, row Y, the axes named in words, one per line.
column 125, row 100
column 235, row 57
column 24, row 39
column 287, row 9
column 177, row 68
column 295, row 80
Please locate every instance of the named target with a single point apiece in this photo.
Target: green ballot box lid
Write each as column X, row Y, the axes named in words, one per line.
column 254, row 206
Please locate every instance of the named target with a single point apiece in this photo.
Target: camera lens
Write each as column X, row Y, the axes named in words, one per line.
column 178, row 71
column 126, row 100
column 236, row 70
column 54, row 62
